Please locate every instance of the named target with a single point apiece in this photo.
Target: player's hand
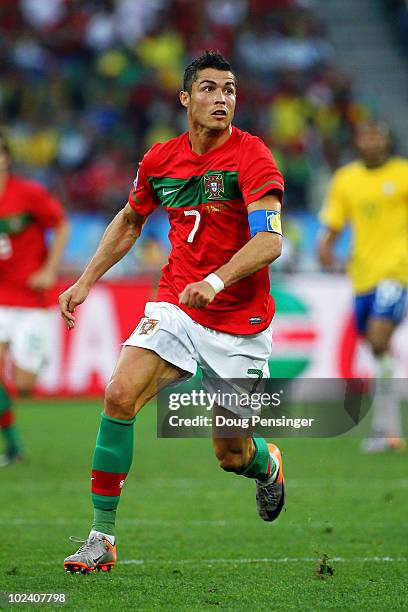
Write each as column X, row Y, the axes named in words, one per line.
column 197, row 295
column 326, row 257
column 42, row 279
column 329, row 262
column 70, row 299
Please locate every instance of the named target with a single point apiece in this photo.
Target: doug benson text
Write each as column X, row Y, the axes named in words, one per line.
column 243, row 422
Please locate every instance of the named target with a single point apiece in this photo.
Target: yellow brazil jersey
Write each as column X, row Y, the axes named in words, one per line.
column 375, row 203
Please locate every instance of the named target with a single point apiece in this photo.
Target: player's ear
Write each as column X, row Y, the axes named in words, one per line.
column 184, row 98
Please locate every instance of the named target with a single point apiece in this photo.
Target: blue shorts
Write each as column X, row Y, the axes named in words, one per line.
column 388, row 300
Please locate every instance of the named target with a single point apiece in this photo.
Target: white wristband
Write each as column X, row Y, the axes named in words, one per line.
column 215, row 282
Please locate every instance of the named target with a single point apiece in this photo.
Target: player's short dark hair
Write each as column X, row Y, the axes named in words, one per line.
column 383, row 127
column 209, row 59
column 376, row 124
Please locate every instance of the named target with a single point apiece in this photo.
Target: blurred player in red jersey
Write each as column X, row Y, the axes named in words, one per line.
column 27, row 273
column 222, row 191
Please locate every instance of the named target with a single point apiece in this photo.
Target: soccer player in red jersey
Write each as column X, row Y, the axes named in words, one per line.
column 222, row 191
column 27, row 273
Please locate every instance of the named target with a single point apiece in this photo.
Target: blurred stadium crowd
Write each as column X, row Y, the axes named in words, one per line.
column 86, row 86
column 397, row 12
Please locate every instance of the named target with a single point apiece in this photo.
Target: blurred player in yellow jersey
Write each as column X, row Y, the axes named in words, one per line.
column 371, row 194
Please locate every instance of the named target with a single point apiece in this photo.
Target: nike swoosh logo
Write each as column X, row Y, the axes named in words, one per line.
column 169, row 191
column 97, row 559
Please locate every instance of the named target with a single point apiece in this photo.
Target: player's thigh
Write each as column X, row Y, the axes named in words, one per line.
column 166, row 330
column 138, row 376
column 6, row 327
column 3, row 352
column 24, row 380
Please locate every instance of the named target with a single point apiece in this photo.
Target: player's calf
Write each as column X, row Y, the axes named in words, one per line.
column 8, row 429
column 254, row 458
column 233, row 454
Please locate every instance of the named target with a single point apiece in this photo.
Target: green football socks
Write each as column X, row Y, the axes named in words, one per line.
column 111, row 463
column 263, row 464
column 7, row 424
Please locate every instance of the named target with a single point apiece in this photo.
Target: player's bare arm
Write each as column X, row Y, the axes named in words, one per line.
column 118, row 239
column 260, row 251
column 326, row 246
column 45, row 277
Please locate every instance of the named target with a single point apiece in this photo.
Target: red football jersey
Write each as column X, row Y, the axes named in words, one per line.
column 206, row 198
column 27, row 210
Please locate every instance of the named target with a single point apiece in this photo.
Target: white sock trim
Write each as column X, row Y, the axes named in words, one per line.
column 107, row 536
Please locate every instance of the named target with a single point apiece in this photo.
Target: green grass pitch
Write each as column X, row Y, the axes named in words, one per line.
column 188, row 534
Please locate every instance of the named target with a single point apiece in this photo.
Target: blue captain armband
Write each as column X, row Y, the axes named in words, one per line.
column 264, row 221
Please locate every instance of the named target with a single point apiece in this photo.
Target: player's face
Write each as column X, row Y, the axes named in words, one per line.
column 373, row 143
column 212, row 101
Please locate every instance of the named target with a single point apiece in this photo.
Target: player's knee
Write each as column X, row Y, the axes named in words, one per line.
column 119, row 402
column 378, row 345
column 24, row 389
column 379, row 349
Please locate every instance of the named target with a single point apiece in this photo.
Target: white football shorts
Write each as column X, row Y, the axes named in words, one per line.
column 27, row 332
column 174, row 336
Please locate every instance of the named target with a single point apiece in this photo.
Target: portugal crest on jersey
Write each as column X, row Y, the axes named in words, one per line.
column 213, row 186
